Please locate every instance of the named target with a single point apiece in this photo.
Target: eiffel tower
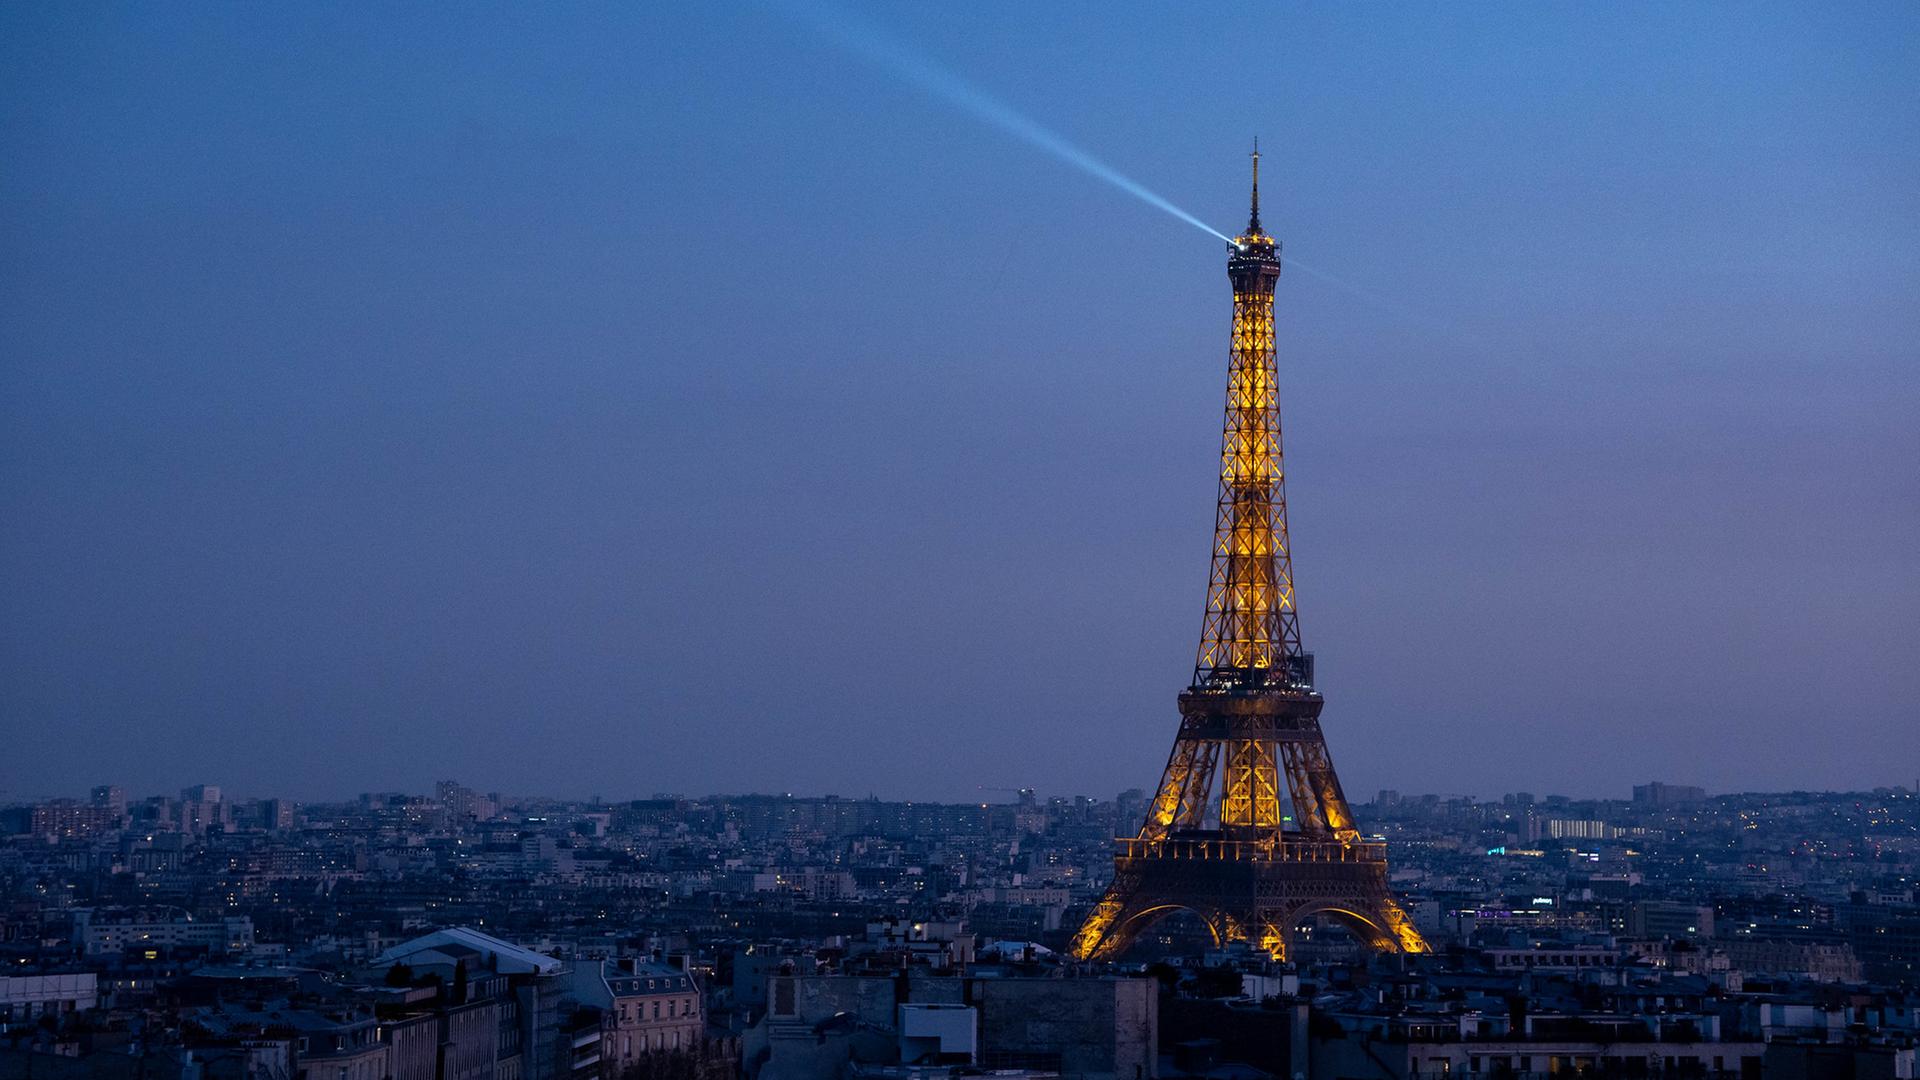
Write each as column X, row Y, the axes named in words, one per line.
column 1245, row 865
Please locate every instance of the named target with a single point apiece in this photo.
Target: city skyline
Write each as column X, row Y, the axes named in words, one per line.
column 986, row 796
column 360, row 438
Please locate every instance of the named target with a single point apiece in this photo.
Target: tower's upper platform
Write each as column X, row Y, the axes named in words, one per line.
column 1253, row 262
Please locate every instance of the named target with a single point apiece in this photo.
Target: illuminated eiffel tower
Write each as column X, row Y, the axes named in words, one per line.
column 1245, row 865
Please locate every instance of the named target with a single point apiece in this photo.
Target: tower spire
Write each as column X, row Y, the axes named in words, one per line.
column 1253, row 221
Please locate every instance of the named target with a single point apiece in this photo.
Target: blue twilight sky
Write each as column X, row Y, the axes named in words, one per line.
column 659, row 397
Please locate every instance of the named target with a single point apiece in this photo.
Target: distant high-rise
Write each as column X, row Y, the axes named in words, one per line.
column 111, row 797
column 202, row 809
column 66, row 819
column 462, row 803
column 1659, row 794
column 206, row 793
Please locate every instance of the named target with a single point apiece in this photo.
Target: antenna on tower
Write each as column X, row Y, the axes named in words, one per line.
column 1253, row 221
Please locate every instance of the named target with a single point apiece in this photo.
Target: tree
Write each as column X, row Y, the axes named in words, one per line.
column 1217, row 982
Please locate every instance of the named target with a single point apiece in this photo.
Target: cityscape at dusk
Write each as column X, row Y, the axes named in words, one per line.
column 663, row 542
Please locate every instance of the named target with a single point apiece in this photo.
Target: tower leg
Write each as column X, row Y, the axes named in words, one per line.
column 1098, row 937
column 1182, row 798
column 1272, row 936
column 1394, row 918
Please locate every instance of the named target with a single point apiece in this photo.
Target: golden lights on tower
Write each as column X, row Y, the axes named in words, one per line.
column 1250, row 625
column 1249, row 869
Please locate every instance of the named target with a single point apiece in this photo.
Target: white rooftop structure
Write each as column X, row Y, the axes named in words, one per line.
column 481, row 951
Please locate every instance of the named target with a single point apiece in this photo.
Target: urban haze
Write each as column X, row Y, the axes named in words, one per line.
column 672, row 542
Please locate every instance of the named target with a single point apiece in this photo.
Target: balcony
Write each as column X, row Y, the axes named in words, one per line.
column 1288, row 850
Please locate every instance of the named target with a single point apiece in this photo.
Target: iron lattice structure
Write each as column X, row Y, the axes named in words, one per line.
column 1241, row 862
